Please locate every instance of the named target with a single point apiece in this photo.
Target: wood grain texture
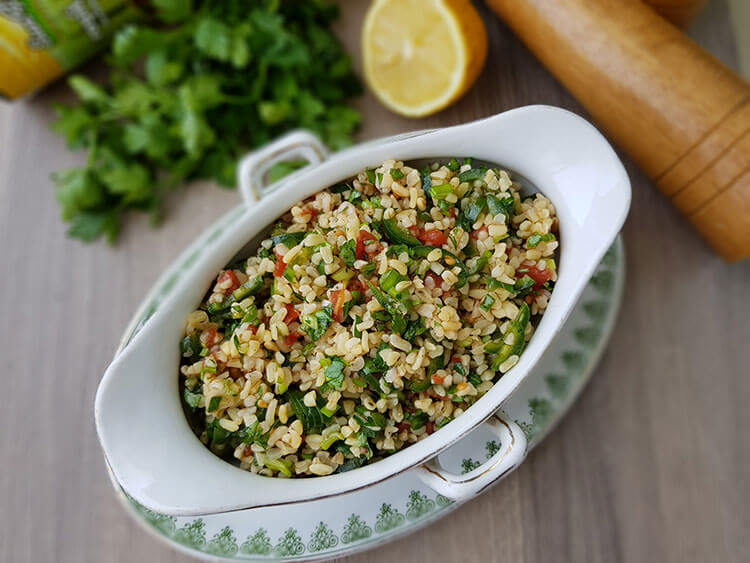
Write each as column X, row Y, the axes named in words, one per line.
column 650, row 466
column 676, row 110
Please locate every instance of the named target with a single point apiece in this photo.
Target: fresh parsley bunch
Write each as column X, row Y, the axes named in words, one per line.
column 189, row 94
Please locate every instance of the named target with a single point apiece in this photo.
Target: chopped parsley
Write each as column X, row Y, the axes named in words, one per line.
column 317, row 324
column 348, row 252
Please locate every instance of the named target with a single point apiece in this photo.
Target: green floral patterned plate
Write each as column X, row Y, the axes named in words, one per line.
column 361, row 520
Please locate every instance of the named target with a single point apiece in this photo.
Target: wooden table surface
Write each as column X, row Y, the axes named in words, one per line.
column 652, row 465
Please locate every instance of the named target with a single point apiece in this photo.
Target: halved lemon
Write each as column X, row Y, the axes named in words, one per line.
column 419, row 56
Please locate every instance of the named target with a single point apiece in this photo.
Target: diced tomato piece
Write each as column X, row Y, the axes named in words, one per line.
column 437, row 379
column 455, row 360
column 403, row 427
column 253, row 329
column 430, row 427
column 292, row 314
column 228, row 276
column 311, row 211
column 354, row 285
column 414, row 230
column 210, row 337
column 539, row 276
column 437, row 280
column 280, row 265
column 363, row 248
column 339, row 299
column 475, row 234
column 433, row 237
column 292, row 337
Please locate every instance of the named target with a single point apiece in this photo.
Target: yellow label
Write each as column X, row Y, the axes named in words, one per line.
column 22, row 69
column 42, row 39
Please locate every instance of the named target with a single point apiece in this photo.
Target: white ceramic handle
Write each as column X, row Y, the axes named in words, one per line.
column 252, row 170
column 463, row 487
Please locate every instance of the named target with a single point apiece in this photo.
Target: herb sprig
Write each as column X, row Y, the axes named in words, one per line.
column 190, row 92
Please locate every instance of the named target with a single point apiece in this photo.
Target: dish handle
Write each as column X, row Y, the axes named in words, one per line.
column 462, row 487
column 253, row 169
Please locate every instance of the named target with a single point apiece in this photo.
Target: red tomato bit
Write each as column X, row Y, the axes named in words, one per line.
column 292, row 314
column 433, row 238
column 292, row 337
column 539, row 276
column 339, row 299
column 210, row 337
column 366, row 247
column 228, row 276
column 280, row 265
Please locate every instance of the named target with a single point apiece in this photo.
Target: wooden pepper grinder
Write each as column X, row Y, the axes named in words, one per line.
column 677, row 111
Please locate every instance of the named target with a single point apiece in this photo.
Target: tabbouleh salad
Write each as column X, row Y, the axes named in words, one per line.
column 376, row 312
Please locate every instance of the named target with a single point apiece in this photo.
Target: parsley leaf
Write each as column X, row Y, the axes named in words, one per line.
column 348, row 252
column 317, row 324
column 335, row 372
column 191, row 90
column 192, row 399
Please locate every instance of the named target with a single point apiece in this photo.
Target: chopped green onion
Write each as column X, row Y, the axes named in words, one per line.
column 517, row 328
column 371, row 175
column 289, row 272
column 342, row 275
column 389, row 280
column 481, row 263
column 250, row 287
column 369, row 269
column 328, row 412
column 534, row 240
column 453, row 165
column 396, row 174
column 213, row 405
column 487, row 302
column 523, row 285
column 441, row 191
column 251, row 315
column 397, row 235
column 329, row 440
column 283, row 466
column 472, row 175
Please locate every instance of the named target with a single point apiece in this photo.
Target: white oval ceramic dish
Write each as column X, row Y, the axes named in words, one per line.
column 365, row 519
column 152, row 452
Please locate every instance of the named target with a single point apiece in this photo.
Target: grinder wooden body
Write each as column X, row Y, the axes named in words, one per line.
column 677, row 111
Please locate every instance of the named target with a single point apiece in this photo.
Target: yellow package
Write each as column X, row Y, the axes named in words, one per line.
column 41, row 40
